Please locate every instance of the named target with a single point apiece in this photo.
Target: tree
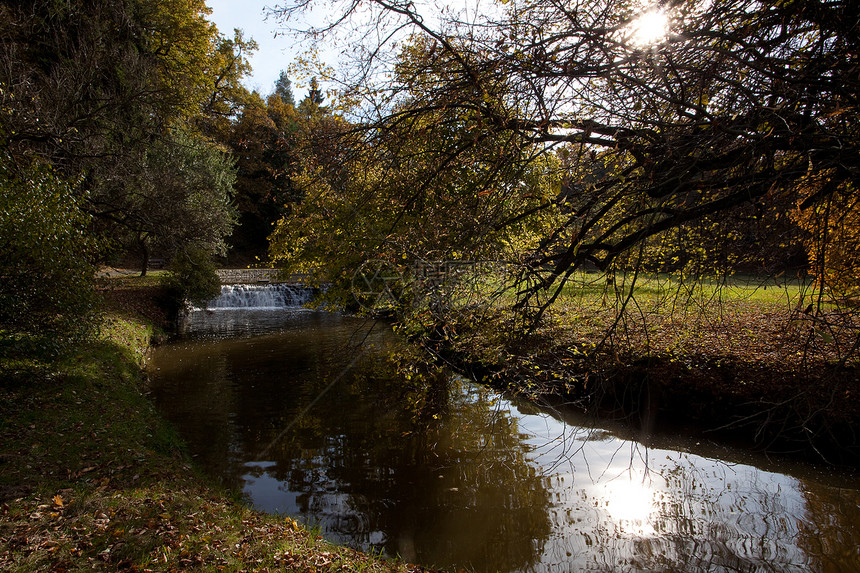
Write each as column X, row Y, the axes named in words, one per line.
column 833, row 242
column 101, row 88
column 226, row 96
column 264, row 140
column 311, row 105
column 86, row 81
column 409, row 198
column 46, row 257
column 176, row 196
column 740, row 105
column 80, row 82
column 283, row 89
column 191, row 279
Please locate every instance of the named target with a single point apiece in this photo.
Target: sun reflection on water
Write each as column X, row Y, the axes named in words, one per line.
column 630, row 503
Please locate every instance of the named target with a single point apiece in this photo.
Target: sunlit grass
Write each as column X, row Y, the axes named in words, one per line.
column 763, row 319
column 663, row 286
column 668, row 291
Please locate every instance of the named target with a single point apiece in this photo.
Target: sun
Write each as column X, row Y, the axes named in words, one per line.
column 649, row 27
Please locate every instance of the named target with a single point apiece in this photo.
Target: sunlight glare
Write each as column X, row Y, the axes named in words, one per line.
column 649, row 27
column 629, row 504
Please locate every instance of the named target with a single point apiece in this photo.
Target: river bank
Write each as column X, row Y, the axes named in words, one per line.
column 750, row 374
column 811, row 416
column 92, row 478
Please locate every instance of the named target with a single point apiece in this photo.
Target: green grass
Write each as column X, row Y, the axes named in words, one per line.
column 666, row 286
column 749, row 318
column 655, row 288
column 774, row 321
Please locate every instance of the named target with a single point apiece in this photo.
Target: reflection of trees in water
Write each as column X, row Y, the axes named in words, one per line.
column 830, row 529
column 729, row 518
column 423, row 469
column 702, row 515
column 683, row 512
column 200, row 407
column 437, row 474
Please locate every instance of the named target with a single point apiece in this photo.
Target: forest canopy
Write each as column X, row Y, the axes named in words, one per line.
column 109, row 112
column 727, row 140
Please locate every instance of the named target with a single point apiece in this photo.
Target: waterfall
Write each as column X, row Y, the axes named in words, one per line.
column 261, row 296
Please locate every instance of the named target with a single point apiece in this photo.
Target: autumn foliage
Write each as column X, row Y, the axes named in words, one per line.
column 832, row 241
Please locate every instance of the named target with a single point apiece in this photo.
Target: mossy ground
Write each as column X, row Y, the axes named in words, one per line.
column 92, row 478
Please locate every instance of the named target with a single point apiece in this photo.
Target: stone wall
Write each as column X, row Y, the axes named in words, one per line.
column 247, row 276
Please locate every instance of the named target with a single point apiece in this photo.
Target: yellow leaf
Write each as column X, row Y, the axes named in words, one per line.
column 59, row 501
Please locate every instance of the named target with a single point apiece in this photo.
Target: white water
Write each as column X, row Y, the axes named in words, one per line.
column 260, row 296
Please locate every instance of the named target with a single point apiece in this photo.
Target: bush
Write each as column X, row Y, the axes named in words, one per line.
column 47, row 268
column 191, row 278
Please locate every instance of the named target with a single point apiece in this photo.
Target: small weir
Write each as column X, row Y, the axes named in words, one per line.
column 247, row 310
column 269, row 296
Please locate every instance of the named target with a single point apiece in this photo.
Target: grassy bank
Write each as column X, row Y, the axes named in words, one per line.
column 91, row 478
column 765, row 362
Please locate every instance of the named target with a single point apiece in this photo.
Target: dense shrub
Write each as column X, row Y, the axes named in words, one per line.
column 46, row 257
column 191, row 278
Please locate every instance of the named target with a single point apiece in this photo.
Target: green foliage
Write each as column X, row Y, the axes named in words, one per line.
column 46, row 257
column 283, row 89
column 311, row 105
column 178, row 195
column 192, row 278
column 94, row 81
column 402, row 196
column 265, row 142
column 199, row 70
column 127, row 94
column 192, row 182
column 225, row 95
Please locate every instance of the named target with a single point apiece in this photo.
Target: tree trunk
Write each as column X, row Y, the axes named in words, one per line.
column 144, row 265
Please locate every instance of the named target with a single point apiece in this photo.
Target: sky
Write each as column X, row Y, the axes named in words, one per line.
column 275, row 53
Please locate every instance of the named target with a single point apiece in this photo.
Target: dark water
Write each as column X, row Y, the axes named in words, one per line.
column 305, row 413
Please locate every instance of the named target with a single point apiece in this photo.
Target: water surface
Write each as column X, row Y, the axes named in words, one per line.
column 305, row 413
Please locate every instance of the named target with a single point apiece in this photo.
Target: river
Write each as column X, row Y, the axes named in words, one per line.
column 308, row 414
